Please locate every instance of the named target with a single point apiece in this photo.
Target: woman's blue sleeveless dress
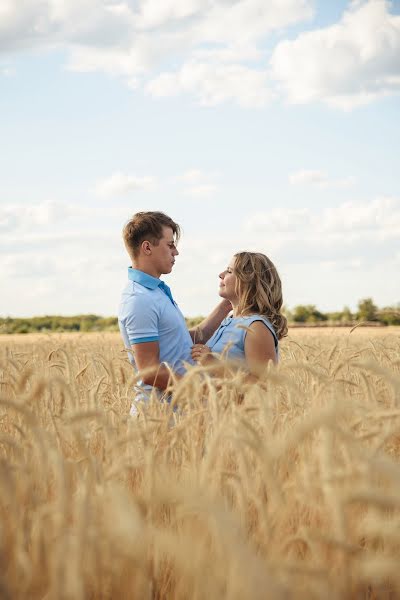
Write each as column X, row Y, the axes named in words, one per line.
column 231, row 334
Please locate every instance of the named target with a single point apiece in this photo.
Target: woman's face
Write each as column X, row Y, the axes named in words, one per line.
column 228, row 282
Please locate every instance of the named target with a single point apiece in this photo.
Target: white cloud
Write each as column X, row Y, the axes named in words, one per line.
column 7, row 71
column 202, row 191
column 120, row 184
column 346, row 64
column 197, row 183
column 48, row 23
column 308, row 177
column 100, row 242
column 210, row 41
column 279, row 220
column 15, row 266
column 185, row 23
column 217, row 47
column 222, row 22
column 378, row 219
column 251, row 20
column 130, row 61
column 230, row 53
column 50, row 220
column 156, row 13
column 192, row 176
column 62, row 280
column 213, row 84
column 30, row 216
column 318, row 178
column 356, row 238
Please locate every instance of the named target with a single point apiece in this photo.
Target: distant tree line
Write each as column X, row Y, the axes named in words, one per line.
column 367, row 311
column 308, row 314
column 58, row 324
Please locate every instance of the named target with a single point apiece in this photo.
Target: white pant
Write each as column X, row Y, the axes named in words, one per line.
column 143, row 394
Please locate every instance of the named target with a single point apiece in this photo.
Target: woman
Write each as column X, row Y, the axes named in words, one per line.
column 252, row 333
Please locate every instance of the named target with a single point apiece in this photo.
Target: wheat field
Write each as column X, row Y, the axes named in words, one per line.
column 288, row 488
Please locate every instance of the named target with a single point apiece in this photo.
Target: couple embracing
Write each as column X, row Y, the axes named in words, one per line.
column 245, row 326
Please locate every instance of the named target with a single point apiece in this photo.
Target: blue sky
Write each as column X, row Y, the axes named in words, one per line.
column 267, row 126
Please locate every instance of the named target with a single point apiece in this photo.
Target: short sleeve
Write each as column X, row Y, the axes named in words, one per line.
column 141, row 320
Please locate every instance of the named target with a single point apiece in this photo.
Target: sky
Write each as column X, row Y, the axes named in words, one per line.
column 269, row 126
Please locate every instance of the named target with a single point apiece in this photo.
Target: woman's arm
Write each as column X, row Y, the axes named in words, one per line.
column 259, row 346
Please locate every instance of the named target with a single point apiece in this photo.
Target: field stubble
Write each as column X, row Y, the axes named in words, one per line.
column 285, row 489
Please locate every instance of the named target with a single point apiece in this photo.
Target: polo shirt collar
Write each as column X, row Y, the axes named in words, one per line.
column 144, row 279
column 149, row 281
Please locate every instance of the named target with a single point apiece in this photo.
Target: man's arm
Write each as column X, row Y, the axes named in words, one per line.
column 142, row 326
column 202, row 332
column 147, row 359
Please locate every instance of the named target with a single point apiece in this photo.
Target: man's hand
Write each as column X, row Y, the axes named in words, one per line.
column 201, row 353
column 206, row 328
column 226, row 305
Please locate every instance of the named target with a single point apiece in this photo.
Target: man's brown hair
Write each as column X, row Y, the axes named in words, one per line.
column 147, row 226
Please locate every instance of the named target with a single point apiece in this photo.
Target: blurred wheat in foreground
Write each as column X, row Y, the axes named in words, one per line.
column 285, row 489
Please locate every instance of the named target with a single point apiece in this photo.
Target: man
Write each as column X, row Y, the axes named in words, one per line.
column 151, row 324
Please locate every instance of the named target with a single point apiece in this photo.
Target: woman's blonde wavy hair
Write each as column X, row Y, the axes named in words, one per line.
column 259, row 289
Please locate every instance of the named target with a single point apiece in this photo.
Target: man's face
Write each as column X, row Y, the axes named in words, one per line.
column 164, row 253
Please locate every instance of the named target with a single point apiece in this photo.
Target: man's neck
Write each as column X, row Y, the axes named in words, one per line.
column 148, row 269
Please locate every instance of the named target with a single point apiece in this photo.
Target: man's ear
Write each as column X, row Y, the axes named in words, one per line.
column 146, row 248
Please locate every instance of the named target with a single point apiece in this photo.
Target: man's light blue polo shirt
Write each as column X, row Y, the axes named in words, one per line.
column 148, row 313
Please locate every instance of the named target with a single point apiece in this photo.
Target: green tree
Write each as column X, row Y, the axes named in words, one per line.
column 367, row 310
column 307, row 314
column 390, row 315
column 347, row 315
